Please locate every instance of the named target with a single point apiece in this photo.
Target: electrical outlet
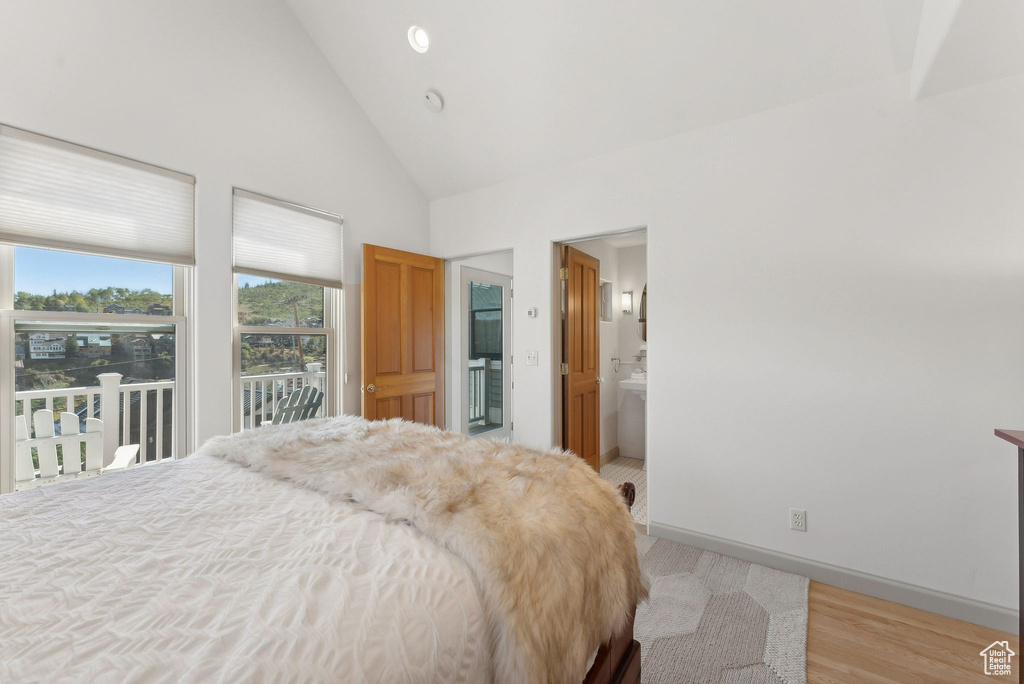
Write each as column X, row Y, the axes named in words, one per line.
column 798, row 519
column 531, row 358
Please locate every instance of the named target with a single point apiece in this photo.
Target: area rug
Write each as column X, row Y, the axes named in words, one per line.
column 715, row 619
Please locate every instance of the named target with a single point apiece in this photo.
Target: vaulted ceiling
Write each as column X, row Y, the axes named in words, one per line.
column 533, row 84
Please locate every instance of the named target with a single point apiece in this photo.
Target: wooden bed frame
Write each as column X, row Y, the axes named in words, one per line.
column 618, row 660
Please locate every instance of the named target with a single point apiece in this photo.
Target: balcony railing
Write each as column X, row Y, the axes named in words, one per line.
column 145, row 410
column 144, row 413
column 478, row 377
column 484, row 396
column 261, row 393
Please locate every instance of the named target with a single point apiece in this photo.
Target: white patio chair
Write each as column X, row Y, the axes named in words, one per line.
column 298, row 405
column 70, row 440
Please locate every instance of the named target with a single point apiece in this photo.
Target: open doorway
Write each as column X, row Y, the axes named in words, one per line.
column 601, row 334
column 478, row 316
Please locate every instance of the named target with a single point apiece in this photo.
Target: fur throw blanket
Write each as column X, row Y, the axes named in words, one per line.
column 550, row 543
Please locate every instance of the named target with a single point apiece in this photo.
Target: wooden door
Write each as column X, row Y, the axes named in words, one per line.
column 581, row 395
column 402, row 336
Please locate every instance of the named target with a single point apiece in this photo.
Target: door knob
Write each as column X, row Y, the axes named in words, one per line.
column 371, row 388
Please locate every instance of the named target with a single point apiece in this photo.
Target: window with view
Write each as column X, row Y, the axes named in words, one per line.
column 83, row 341
column 287, row 304
column 272, row 364
column 94, row 257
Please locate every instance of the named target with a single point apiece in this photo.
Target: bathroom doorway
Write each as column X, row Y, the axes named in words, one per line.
column 601, row 334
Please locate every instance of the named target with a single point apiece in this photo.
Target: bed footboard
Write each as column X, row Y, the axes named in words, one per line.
column 618, row 661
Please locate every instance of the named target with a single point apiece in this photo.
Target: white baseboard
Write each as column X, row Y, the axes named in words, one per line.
column 950, row 605
column 610, row 455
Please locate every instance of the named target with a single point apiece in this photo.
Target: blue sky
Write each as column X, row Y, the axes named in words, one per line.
column 244, row 280
column 41, row 271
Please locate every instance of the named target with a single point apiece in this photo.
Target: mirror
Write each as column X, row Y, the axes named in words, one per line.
column 641, row 319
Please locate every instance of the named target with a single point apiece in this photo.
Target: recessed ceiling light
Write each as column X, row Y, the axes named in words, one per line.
column 418, row 39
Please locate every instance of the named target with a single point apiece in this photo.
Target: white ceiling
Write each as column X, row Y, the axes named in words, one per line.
column 533, row 84
column 982, row 40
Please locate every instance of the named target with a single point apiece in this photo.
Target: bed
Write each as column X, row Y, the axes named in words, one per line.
column 248, row 561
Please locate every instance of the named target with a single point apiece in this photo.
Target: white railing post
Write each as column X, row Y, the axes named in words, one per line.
column 315, row 378
column 485, row 401
column 110, row 413
column 312, row 375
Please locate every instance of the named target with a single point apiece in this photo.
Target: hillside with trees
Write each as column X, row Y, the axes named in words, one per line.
column 92, row 301
column 271, row 303
column 259, row 304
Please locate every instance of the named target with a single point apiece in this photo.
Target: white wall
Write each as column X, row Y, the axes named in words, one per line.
column 232, row 92
column 455, row 382
column 835, row 289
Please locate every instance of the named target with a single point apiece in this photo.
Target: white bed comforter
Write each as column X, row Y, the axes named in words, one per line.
column 200, row 570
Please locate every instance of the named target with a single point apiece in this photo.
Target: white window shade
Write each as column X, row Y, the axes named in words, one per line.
column 56, row 195
column 277, row 239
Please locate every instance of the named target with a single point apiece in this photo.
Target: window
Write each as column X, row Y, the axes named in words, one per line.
column 487, row 357
column 79, row 321
column 46, row 280
column 287, row 305
column 95, row 256
column 484, row 321
column 273, row 364
column 279, row 303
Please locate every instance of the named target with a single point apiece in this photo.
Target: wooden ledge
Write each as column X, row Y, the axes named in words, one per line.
column 1015, row 437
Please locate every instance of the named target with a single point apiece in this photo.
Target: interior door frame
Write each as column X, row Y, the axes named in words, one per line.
column 556, row 304
column 468, row 274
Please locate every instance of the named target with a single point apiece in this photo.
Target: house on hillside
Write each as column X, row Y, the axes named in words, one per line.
column 137, row 348
column 162, row 343
column 159, row 310
column 258, row 340
column 94, row 345
column 118, row 309
column 46, row 346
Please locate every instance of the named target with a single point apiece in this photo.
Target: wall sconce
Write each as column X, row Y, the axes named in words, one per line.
column 627, row 302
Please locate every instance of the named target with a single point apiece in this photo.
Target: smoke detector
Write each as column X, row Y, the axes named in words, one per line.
column 434, row 101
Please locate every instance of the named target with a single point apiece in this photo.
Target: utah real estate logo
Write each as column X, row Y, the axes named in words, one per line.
column 997, row 658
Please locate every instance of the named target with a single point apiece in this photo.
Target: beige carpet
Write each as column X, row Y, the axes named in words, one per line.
column 715, row 619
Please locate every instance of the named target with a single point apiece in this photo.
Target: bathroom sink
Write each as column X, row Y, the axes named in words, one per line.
column 635, row 384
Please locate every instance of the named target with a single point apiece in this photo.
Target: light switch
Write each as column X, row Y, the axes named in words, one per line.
column 531, row 358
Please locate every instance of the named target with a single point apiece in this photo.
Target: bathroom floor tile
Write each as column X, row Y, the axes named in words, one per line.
column 624, row 469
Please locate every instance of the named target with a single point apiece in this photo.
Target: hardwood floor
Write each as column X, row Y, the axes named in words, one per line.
column 856, row 638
